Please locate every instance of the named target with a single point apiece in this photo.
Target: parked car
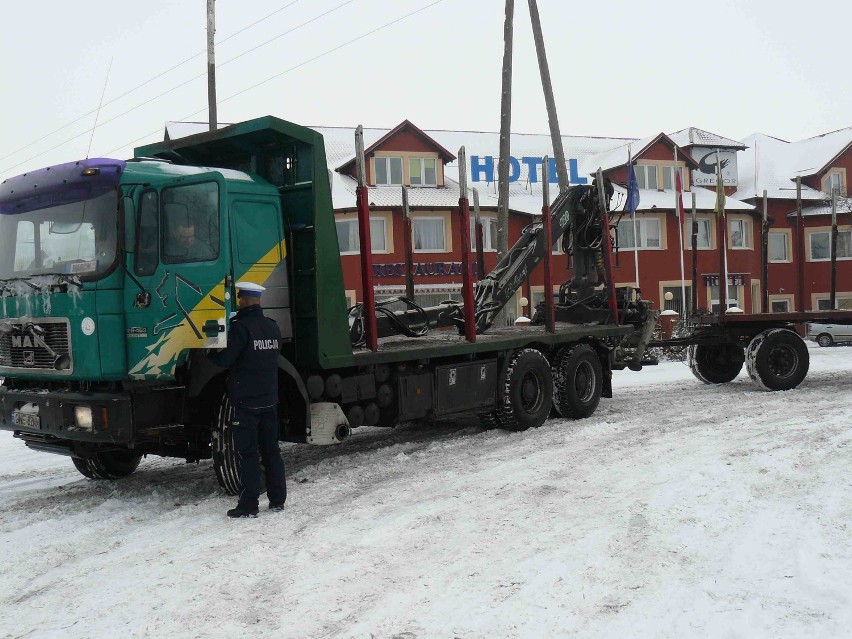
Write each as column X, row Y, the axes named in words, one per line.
column 829, row 334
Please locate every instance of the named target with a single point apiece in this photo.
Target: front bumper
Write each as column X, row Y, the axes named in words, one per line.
column 112, row 414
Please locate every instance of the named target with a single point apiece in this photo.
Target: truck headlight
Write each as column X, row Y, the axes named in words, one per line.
column 83, row 417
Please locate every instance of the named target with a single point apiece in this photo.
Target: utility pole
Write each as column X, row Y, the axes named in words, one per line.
column 505, row 132
column 211, row 62
column 547, row 87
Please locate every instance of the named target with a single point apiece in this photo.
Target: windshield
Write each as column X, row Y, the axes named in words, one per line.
column 77, row 238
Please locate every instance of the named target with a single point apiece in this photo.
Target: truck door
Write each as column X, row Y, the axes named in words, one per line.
column 180, row 261
column 259, row 253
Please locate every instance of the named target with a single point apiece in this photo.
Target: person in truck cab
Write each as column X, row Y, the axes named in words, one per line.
column 183, row 245
column 251, row 358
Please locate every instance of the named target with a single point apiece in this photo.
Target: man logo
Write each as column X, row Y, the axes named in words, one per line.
column 29, row 358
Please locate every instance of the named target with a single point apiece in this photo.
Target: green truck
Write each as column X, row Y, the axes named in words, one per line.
column 116, row 277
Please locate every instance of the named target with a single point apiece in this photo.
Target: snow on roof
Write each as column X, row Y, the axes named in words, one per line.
column 844, row 207
column 652, row 199
column 771, row 164
column 693, row 136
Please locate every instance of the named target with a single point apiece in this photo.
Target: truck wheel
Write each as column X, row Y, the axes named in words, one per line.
column 108, row 465
column 224, row 459
column 577, row 381
column 526, row 391
column 716, row 363
column 825, row 340
column 777, row 359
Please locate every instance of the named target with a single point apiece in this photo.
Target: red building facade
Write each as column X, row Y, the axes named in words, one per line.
column 419, row 160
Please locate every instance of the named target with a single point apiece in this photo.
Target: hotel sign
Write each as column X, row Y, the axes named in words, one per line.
column 483, row 168
column 422, row 269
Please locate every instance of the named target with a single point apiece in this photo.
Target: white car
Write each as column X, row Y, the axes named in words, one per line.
column 829, row 334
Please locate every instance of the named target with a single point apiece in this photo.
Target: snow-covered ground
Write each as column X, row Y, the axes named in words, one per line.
column 677, row 510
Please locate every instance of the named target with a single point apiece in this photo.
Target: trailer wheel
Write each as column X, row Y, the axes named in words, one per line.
column 224, row 457
column 526, row 391
column 108, row 465
column 825, row 340
column 777, row 359
column 716, row 363
column 577, row 381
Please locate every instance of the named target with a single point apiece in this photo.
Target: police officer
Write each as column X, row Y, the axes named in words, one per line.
column 252, row 357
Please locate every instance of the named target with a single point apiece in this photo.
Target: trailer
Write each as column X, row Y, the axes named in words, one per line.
column 769, row 344
column 105, row 321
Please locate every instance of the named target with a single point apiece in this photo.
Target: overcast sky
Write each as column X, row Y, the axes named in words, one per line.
column 619, row 67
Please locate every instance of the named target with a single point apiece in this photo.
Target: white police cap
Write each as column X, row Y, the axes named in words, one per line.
column 250, row 288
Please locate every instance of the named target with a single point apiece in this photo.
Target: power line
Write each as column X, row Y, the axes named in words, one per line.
column 293, row 68
column 147, row 82
column 174, row 88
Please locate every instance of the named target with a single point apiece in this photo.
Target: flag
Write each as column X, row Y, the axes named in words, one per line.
column 679, row 194
column 632, row 189
column 720, row 190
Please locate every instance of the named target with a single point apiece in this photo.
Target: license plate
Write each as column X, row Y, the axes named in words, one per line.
column 26, row 420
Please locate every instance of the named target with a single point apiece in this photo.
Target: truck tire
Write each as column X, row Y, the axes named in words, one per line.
column 577, row 381
column 716, row 363
column 777, row 359
column 525, row 391
column 224, row 458
column 108, row 465
column 825, row 340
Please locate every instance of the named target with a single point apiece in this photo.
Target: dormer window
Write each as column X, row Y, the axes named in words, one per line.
column 646, row 176
column 834, row 183
column 388, row 171
column 668, row 178
column 423, row 171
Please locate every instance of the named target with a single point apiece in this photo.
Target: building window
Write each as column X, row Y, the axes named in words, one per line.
column 834, row 183
column 429, row 234
column 350, row 243
column 646, row 176
column 668, row 178
column 676, row 303
column 840, row 303
column 740, row 234
column 735, row 295
column 647, row 229
column 821, row 245
column 780, row 306
column 704, row 234
column 779, row 246
column 489, row 234
column 423, row 171
column 388, row 171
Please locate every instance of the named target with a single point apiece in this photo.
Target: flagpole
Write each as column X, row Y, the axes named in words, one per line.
column 722, row 235
column 679, row 214
column 633, row 215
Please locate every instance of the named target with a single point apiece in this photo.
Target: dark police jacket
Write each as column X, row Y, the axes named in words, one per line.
column 252, row 357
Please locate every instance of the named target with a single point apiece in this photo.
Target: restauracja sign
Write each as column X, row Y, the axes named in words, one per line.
column 483, row 169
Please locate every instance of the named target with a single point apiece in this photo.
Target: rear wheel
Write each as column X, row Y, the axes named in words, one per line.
column 777, row 359
column 825, row 340
column 526, row 391
column 108, row 465
column 577, row 381
column 716, row 363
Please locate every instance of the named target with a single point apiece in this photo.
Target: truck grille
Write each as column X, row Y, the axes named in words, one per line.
column 27, row 346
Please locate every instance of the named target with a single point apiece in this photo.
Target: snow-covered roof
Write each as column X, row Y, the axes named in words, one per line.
column 652, row 199
column 844, row 207
column 693, row 136
column 771, row 164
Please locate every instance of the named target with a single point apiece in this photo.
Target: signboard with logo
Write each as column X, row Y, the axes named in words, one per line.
column 705, row 173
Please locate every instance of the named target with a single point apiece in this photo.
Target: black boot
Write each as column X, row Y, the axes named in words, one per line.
column 238, row 513
column 277, row 507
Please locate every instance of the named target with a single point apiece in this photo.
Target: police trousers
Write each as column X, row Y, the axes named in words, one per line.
column 256, row 431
